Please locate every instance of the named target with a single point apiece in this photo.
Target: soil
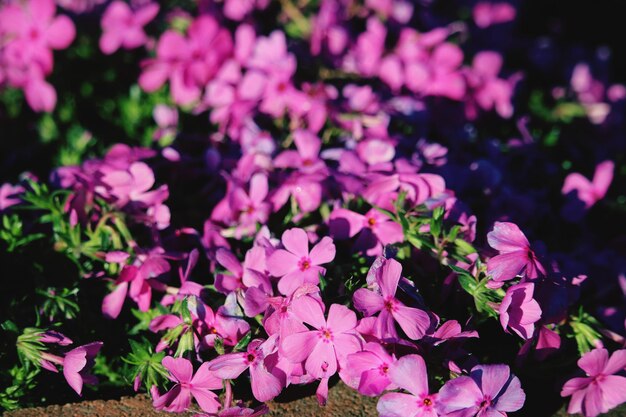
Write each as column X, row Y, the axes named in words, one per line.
column 342, row 402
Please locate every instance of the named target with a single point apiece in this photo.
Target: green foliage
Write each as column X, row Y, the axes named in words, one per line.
column 145, row 364
column 584, row 328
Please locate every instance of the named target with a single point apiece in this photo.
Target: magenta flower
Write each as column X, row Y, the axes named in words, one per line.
column 601, row 390
column 323, row 350
column 77, row 363
column 135, row 280
column 368, row 371
column 515, row 258
column 295, row 265
column 487, row 13
column 590, row 192
column 188, row 385
column 489, row 390
column 409, row 373
column 519, row 311
column 414, row 322
column 123, row 27
column 267, row 381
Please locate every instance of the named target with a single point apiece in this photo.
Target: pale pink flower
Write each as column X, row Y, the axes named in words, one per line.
column 408, row 373
column 601, row 390
column 295, row 265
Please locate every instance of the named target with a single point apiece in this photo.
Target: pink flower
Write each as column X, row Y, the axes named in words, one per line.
column 198, row 386
column 368, row 371
column 295, row 265
column 252, row 206
column 9, row 195
column 136, row 282
column 306, row 158
column 374, row 228
column 487, row 14
column 409, row 373
column 515, row 258
column 519, row 310
column 488, row 91
column 590, row 192
column 281, row 316
column 489, row 390
column 601, row 390
column 131, row 185
column 77, row 363
column 305, row 189
column 123, row 27
column 323, row 350
column 32, row 31
column 238, row 9
column 414, row 322
column 189, row 63
column 267, row 381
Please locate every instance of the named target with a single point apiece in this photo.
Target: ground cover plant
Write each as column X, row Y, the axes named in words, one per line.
column 216, row 202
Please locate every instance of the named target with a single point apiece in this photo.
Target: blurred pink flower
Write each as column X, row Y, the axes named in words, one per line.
column 487, row 13
column 590, row 192
column 190, row 62
column 123, row 27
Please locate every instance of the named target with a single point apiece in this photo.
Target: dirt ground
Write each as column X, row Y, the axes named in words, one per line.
column 342, row 402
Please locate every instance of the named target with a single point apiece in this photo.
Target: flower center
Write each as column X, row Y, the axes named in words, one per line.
column 304, row 264
column 389, row 304
column 250, row 209
column 326, row 335
column 486, row 402
column 251, row 357
column 371, row 222
column 428, row 402
column 384, row 368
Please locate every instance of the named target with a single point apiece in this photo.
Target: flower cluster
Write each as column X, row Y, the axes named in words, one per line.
column 29, row 32
column 338, row 196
